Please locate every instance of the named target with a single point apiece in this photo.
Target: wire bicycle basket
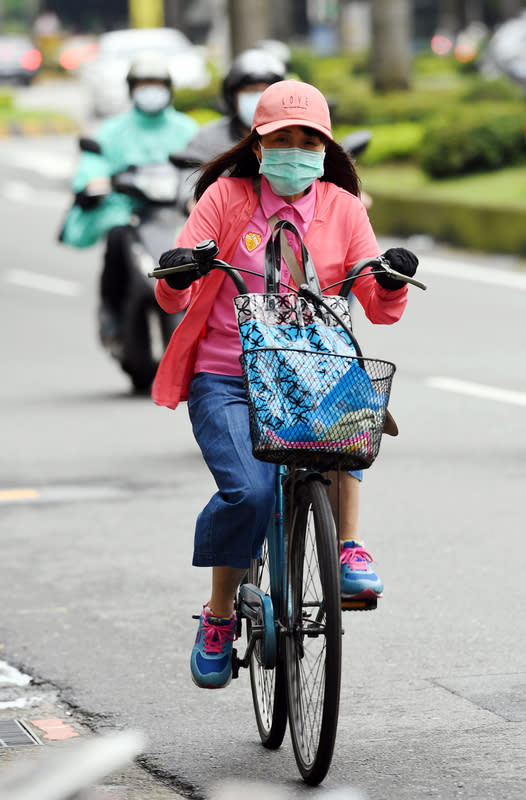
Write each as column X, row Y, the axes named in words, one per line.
column 316, row 409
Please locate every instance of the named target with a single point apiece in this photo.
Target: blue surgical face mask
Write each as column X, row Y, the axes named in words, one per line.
column 291, row 170
column 246, row 105
column 151, row 98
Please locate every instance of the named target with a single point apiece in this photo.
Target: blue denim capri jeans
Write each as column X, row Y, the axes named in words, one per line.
column 231, row 528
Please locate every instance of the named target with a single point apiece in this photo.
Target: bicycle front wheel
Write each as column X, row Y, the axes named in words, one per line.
column 313, row 642
column 268, row 685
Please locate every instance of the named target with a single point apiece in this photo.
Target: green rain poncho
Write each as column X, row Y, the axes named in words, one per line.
column 130, row 139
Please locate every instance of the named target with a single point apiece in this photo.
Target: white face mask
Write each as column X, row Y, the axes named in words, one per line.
column 151, row 99
column 246, row 103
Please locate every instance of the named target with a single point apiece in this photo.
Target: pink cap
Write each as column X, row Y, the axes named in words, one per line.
column 292, row 103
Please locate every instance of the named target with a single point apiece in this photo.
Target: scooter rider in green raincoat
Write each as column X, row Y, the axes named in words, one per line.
column 146, row 134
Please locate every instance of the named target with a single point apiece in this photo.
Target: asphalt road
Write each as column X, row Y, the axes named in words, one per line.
column 99, row 491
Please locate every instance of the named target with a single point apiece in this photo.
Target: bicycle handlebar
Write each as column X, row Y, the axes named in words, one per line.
column 383, row 266
column 203, row 265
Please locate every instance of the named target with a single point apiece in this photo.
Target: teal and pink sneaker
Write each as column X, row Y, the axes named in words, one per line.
column 357, row 578
column 211, row 661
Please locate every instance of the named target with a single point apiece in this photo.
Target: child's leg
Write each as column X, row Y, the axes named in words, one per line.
column 344, row 496
column 225, row 581
column 357, row 579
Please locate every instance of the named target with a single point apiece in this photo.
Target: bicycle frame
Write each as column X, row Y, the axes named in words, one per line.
column 270, row 615
column 265, row 611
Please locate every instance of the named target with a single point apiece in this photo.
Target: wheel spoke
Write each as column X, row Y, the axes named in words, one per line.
column 268, row 685
column 314, row 645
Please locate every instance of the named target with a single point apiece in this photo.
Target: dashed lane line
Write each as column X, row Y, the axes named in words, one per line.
column 479, row 390
column 43, row 283
column 20, row 192
column 459, row 269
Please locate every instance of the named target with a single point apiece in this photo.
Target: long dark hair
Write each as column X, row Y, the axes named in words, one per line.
column 241, row 162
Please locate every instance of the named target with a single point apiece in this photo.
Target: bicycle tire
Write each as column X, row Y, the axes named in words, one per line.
column 268, row 685
column 314, row 641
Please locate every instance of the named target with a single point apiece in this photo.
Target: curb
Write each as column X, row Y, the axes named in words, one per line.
column 36, row 127
column 485, row 228
column 36, row 725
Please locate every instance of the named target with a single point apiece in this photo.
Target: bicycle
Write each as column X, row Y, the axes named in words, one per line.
column 290, row 600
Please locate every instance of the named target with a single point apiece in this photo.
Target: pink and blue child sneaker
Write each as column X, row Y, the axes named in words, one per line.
column 211, row 661
column 356, row 576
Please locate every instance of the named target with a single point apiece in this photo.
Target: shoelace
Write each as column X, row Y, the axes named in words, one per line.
column 350, row 554
column 216, row 636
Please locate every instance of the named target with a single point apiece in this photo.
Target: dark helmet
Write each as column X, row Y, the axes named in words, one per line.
column 251, row 66
column 148, row 67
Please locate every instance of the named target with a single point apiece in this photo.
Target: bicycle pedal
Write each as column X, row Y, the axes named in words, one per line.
column 359, row 603
column 235, row 664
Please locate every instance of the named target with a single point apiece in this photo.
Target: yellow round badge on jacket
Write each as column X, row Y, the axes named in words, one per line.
column 252, row 240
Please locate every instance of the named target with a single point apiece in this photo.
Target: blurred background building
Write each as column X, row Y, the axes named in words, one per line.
column 325, row 22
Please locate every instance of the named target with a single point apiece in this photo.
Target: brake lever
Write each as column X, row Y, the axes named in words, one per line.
column 162, row 273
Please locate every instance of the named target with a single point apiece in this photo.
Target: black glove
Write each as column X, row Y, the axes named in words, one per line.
column 87, row 201
column 176, row 258
column 401, row 260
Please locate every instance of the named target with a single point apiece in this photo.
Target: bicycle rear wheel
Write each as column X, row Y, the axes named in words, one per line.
column 313, row 645
column 268, row 685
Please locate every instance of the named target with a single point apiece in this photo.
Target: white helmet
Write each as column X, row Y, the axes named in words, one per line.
column 149, row 67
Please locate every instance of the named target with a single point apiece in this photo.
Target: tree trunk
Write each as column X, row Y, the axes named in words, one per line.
column 450, row 17
column 391, row 45
column 249, row 22
column 174, row 13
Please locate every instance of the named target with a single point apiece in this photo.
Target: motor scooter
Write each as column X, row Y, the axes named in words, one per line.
column 354, row 144
column 145, row 329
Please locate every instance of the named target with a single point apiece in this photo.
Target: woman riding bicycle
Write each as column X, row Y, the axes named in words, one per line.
column 289, row 167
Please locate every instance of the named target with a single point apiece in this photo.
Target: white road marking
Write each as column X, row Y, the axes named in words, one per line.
column 478, row 390
column 20, row 192
column 456, row 268
column 40, row 160
column 44, row 283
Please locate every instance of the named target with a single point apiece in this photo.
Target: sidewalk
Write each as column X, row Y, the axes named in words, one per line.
column 35, row 725
column 36, row 127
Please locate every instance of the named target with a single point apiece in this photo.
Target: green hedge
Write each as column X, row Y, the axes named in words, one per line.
column 487, row 137
column 6, row 99
column 397, row 142
column 357, row 105
column 477, row 227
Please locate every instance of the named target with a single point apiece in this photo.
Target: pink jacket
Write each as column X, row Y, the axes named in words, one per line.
column 340, row 234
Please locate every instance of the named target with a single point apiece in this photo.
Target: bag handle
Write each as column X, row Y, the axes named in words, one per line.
column 273, row 251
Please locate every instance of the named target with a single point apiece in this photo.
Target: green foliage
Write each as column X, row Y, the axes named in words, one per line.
column 396, row 142
column 300, row 65
column 6, row 99
column 429, row 63
column 189, row 99
column 203, row 115
column 471, row 139
column 499, row 90
column 357, row 107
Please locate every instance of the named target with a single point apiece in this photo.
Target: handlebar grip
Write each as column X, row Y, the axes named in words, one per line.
column 205, row 251
column 161, row 272
column 406, row 279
